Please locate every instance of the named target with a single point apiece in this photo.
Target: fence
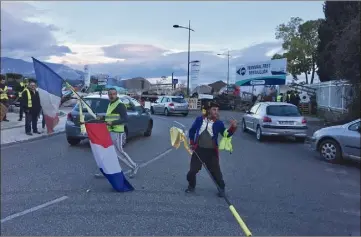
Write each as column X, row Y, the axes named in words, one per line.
column 333, row 95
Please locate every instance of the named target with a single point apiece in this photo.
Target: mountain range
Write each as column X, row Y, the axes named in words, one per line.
column 11, row 65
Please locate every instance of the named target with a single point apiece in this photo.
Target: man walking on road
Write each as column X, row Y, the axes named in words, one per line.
column 115, row 118
column 31, row 105
column 203, row 137
column 4, row 96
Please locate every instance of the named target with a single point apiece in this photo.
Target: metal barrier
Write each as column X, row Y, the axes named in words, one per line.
column 193, row 103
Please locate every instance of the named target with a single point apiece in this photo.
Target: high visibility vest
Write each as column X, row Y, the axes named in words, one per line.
column 279, row 98
column 30, row 102
column 4, row 94
column 226, row 142
column 111, row 116
column 24, row 86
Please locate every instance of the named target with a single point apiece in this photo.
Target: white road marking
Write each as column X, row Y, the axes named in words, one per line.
column 179, row 124
column 33, row 209
column 352, row 212
column 349, row 195
column 336, row 171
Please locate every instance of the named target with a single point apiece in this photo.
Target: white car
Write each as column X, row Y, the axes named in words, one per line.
column 338, row 142
column 168, row 105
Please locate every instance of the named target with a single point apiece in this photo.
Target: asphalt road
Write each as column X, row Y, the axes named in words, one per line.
column 278, row 187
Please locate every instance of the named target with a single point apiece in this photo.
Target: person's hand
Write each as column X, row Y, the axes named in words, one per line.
column 100, row 117
column 109, row 123
column 233, row 123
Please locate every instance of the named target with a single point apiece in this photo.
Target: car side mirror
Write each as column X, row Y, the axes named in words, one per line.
column 146, row 110
column 248, row 112
column 359, row 129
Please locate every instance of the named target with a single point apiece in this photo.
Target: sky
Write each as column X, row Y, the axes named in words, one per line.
column 136, row 38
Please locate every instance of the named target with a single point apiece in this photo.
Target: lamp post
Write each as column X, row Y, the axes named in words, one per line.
column 228, row 56
column 189, row 48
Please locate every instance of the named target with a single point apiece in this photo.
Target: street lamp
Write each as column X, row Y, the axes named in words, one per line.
column 228, row 56
column 189, row 48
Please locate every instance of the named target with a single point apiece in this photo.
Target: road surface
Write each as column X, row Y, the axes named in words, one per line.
column 278, row 187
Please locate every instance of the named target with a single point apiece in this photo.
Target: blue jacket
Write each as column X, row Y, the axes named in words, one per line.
column 218, row 128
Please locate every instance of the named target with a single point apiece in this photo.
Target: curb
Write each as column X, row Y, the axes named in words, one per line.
column 32, row 139
column 61, row 114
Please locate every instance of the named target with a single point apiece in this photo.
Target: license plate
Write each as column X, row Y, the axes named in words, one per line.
column 286, row 122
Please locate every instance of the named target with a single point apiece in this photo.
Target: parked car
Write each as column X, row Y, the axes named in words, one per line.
column 139, row 119
column 340, row 142
column 168, row 105
column 275, row 119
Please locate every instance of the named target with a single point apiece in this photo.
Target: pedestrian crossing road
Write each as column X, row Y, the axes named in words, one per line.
column 278, row 187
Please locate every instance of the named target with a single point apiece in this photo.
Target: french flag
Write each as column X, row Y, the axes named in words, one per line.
column 106, row 156
column 50, row 93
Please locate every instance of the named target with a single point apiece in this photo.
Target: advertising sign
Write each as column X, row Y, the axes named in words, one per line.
column 194, row 71
column 272, row 72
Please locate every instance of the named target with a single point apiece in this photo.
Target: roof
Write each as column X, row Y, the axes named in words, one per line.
column 171, row 96
column 277, row 103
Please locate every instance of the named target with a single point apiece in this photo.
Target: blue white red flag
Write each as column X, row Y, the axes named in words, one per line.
column 50, row 93
column 106, row 156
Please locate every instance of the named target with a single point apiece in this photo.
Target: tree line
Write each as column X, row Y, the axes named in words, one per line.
column 329, row 47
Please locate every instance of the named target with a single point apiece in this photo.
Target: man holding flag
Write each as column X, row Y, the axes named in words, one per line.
column 115, row 119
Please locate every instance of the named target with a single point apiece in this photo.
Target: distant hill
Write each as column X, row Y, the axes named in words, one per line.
column 27, row 69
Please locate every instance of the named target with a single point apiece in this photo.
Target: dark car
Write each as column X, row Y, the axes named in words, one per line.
column 139, row 118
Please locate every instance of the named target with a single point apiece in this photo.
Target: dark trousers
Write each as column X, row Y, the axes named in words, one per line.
column 21, row 113
column 210, row 158
column 43, row 121
column 31, row 121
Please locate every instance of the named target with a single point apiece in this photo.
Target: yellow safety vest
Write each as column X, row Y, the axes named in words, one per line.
column 226, row 142
column 279, row 98
column 30, row 102
column 24, row 85
column 4, row 94
column 110, row 116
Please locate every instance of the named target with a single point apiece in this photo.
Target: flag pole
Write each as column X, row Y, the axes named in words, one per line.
column 67, row 84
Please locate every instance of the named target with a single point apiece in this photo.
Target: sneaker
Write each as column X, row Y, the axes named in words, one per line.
column 134, row 171
column 20, row 119
column 6, row 120
column 29, row 134
column 99, row 175
column 190, row 190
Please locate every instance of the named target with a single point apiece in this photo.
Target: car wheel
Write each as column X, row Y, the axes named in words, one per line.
column 166, row 112
column 185, row 114
column 151, row 110
column 244, row 127
column 148, row 133
column 330, row 151
column 259, row 135
column 300, row 139
column 73, row 141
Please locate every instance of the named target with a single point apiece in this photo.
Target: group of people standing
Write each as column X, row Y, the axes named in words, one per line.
column 29, row 99
column 291, row 97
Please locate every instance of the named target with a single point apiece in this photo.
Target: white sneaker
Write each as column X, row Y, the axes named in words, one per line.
column 99, row 175
column 134, row 171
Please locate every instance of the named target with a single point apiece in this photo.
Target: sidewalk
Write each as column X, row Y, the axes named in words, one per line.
column 14, row 131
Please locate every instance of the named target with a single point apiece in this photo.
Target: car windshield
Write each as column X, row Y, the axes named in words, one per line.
column 97, row 105
column 178, row 100
column 283, row 110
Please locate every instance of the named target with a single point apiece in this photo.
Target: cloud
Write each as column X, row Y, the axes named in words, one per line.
column 132, row 51
column 23, row 39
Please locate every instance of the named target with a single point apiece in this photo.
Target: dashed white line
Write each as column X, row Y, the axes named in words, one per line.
column 33, row 209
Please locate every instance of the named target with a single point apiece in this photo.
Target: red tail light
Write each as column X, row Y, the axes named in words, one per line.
column 267, row 119
column 70, row 117
column 304, row 121
column 171, row 104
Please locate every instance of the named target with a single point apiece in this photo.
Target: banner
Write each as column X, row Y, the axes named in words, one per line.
column 272, row 72
column 194, row 71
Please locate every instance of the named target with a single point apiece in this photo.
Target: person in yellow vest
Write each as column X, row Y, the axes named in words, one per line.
column 30, row 101
column 22, row 86
column 115, row 118
column 4, row 99
column 280, row 97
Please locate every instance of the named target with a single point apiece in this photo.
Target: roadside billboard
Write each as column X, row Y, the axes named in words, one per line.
column 272, row 72
column 194, row 73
